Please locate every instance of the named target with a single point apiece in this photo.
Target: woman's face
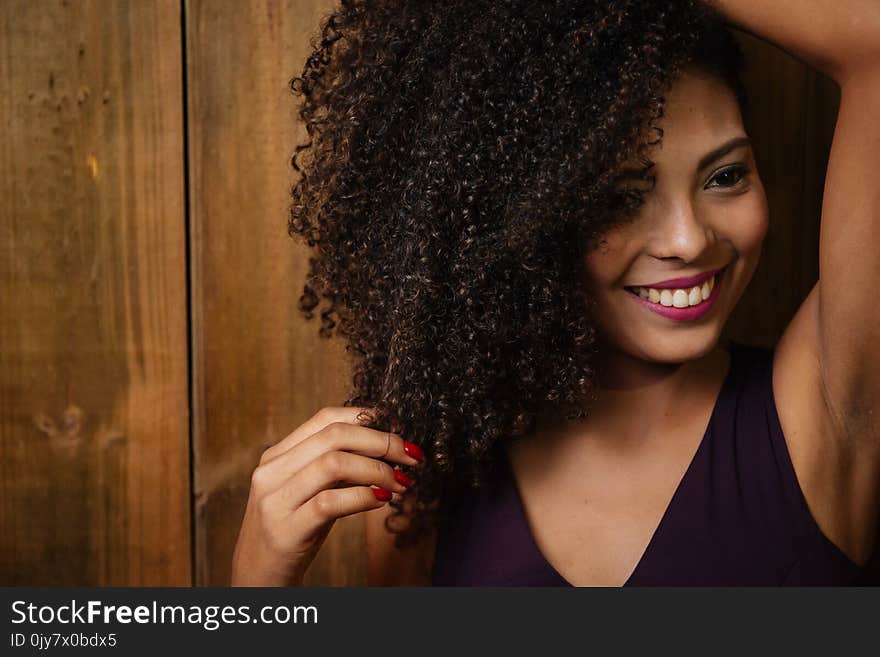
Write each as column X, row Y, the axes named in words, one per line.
column 706, row 212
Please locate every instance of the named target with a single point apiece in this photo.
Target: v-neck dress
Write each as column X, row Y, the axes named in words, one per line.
column 738, row 516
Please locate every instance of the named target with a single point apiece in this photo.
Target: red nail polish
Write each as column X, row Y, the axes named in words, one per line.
column 382, row 494
column 413, row 450
column 401, row 478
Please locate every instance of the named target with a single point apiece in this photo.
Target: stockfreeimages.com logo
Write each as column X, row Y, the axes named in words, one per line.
column 210, row 617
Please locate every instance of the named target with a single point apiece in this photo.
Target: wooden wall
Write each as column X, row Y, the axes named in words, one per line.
column 94, row 447
column 259, row 370
column 150, row 346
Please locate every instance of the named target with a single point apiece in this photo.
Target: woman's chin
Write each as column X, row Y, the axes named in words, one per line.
column 686, row 349
column 670, row 349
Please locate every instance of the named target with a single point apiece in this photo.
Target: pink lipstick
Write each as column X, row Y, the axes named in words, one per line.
column 689, row 312
column 685, row 282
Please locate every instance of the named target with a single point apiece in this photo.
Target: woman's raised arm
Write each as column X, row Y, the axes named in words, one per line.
column 826, row 370
column 841, row 39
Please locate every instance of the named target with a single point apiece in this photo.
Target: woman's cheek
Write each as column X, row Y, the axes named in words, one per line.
column 755, row 220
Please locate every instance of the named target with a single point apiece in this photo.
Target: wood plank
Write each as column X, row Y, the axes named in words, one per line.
column 260, row 369
column 94, row 454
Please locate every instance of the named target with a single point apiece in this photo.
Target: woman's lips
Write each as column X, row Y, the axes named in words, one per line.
column 685, row 282
column 689, row 312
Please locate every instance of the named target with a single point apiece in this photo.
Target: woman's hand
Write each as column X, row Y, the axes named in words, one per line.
column 322, row 471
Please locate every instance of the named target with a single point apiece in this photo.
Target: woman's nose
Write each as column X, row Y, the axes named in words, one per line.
column 680, row 232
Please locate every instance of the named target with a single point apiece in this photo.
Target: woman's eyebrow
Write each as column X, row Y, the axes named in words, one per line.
column 706, row 160
column 722, row 150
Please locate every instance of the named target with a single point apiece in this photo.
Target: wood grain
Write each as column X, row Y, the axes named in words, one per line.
column 260, row 369
column 94, row 454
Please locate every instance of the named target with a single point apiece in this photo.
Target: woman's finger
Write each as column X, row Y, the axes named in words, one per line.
column 324, row 416
column 330, row 505
column 330, row 469
column 338, row 436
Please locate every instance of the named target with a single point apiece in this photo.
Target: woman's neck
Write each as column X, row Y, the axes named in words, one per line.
column 636, row 399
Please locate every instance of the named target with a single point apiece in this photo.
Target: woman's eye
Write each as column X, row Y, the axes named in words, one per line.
column 728, row 177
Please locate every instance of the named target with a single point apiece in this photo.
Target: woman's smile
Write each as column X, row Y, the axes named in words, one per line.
column 681, row 303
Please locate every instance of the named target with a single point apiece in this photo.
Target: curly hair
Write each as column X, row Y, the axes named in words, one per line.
column 461, row 159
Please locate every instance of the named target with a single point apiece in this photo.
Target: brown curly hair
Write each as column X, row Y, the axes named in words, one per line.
column 461, row 159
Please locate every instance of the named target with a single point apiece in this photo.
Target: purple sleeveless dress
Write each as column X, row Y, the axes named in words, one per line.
column 737, row 518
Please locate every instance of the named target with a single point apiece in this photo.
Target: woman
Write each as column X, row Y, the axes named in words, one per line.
column 532, row 221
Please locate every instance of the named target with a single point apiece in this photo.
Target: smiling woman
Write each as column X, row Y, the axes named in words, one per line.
column 532, row 222
column 703, row 222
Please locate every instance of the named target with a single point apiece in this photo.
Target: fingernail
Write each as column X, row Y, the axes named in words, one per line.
column 413, row 450
column 382, row 494
column 401, row 478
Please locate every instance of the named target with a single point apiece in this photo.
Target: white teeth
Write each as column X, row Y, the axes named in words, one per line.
column 680, row 298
